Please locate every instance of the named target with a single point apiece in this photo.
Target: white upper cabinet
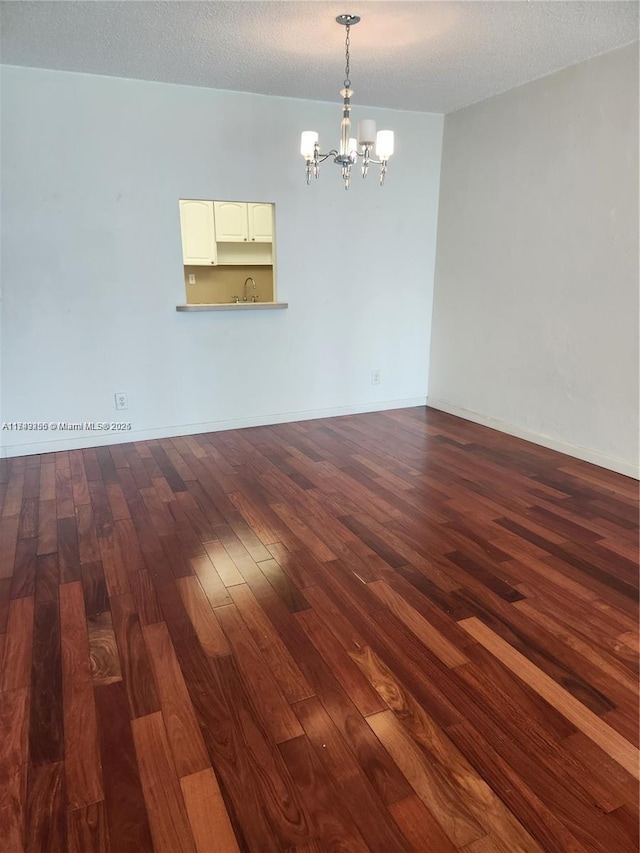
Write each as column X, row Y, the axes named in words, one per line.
column 243, row 222
column 260, row 218
column 232, row 225
column 198, row 232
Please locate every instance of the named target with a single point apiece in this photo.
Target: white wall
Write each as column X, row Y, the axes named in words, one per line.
column 535, row 322
column 92, row 171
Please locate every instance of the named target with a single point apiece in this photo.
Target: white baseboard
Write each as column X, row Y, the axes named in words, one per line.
column 77, row 442
column 621, row 466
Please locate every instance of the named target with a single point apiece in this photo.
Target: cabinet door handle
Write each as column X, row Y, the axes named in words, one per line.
column 245, row 239
column 253, row 238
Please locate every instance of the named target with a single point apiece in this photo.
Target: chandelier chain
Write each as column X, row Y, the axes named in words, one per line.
column 347, row 81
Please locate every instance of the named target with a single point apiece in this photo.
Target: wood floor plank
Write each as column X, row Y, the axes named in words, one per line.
column 372, row 819
column 168, row 819
column 286, row 671
column 210, row 581
column 126, row 811
column 103, row 648
column 461, row 819
column 145, row 597
column 262, row 686
column 14, row 723
column 16, row 670
column 426, row 633
column 275, row 794
column 46, row 738
column 210, row 824
column 8, row 543
column 555, row 830
column 224, row 565
column 189, row 753
column 211, row 636
column 47, row 527
column 134, row 660
column 81, row 751
column 79, row 486
column 419, row 827
column 46, row 830
column 28, row 525
column 366, row 700
column 68, row 550
column 87, row 830
column 114, row 564
column 329, row 825
column 24, row 568
column 614, row 744
column 88, row 548
column 94, row 588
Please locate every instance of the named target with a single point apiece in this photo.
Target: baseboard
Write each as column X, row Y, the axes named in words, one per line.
column 612, row 463
column 78, row 442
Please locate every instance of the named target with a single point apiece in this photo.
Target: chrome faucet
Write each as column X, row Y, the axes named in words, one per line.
column 255, row 295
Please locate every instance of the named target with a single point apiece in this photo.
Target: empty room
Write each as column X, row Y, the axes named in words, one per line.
column 319, row 440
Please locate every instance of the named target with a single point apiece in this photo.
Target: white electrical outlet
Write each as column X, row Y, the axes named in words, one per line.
column 121, row 400
column 375, row 377
column 192, row 278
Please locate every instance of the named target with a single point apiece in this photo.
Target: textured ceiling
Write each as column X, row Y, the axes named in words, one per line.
column 428, row 56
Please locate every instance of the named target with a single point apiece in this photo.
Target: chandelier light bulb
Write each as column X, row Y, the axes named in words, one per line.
column 384, row 144
column 308, row 141
column 350, row 147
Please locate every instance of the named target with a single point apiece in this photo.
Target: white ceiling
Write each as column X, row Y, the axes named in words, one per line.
column 428, row 56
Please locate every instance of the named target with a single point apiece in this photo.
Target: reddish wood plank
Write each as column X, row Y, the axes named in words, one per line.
column 23, row 583
column 267, row 697
column 331, row 826
column 14, row 706
column 16, row 670
column 170, row 827
column 190, row 755
column 203, row 619
column 103, row 649
column 135, row 666
column 8, row 542
column 46, row 809
column 372, row 819
column 419, row 827
column 210, row 824
column 68, row 551
column 82, row 759
column 87, row 829
column 45, row 719
column 126, row 812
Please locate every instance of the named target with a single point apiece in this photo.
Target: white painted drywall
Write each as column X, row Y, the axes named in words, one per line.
column 535, row 319
column 92, row 171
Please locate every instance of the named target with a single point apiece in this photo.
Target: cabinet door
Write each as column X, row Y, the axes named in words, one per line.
column 198, row 233
column 260, row 222
column 231, row 221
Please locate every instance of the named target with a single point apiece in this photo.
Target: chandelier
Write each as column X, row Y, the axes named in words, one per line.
column 350, row 147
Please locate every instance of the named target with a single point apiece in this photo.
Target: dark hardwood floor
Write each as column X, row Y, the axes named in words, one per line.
column 385, row 632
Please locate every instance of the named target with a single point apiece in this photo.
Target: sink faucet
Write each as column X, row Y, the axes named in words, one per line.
column 255, row 296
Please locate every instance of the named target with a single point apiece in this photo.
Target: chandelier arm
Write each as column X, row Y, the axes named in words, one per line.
column 371, row 160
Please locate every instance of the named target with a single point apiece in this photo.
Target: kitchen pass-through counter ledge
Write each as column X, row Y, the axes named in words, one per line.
column 232, row 306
